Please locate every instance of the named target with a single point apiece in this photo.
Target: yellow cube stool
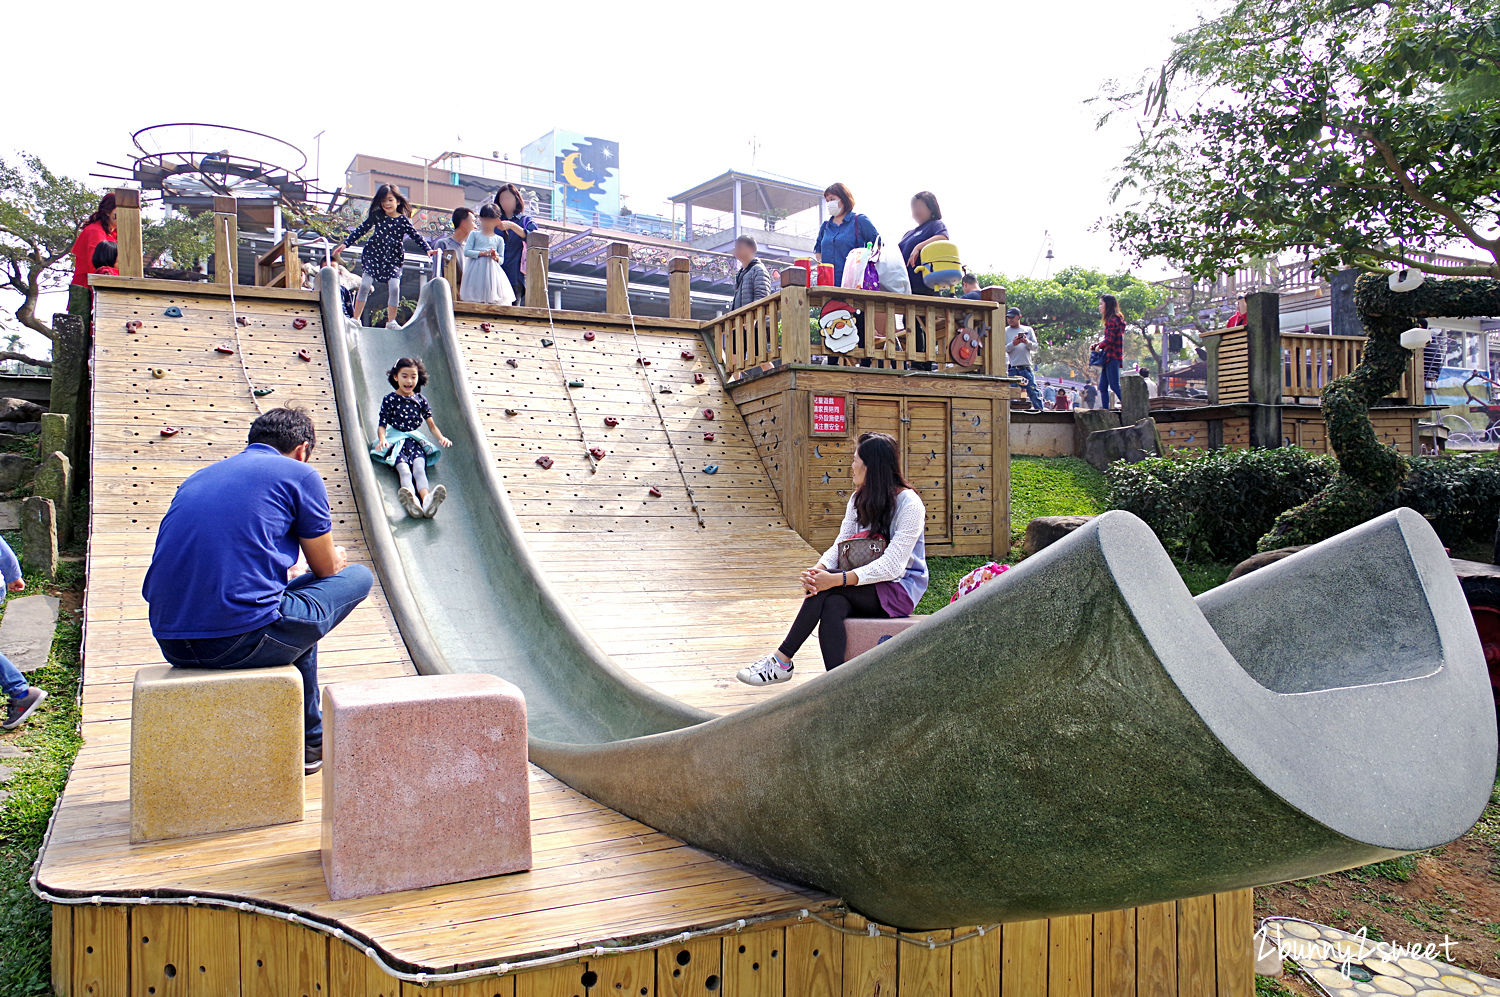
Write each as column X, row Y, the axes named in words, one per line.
column 214, row 750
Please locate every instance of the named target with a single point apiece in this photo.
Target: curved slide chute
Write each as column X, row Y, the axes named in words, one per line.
column 1079, row 735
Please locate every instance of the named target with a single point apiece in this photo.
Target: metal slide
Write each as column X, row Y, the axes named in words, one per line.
column 1078, row 735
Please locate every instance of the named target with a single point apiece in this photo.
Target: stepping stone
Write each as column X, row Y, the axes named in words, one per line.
column 10, row 514
column 26, row 631
column 11, row 751
column 7, row 773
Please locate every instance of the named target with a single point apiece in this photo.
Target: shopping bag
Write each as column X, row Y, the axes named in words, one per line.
column 854, row 268
column 891, row 270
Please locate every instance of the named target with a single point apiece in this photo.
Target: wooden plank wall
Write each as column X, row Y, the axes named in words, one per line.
column 1305, row 428
column 1199, row 947
column 1234, row 367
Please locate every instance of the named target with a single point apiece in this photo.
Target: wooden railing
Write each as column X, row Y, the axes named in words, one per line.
column 898, row 329
column 1309, row 362
column 280, row 266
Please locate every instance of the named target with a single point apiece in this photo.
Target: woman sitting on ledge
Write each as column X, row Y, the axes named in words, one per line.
column 882, row 506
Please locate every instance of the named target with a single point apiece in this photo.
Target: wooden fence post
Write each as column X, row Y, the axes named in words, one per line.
column 128, row 232
column 679, row 288
column 617, row 280
column 1263, row 344
column 796, row 344
column 226, row 240
column 994, row 350
column 538, row 260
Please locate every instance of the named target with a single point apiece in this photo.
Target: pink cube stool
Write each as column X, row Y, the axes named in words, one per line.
column 860, row 635
column 425, row 782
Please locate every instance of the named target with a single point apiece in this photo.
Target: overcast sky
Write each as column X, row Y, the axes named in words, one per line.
column 981, row 103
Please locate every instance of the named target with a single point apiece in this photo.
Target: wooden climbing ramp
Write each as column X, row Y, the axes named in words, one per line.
column 685, row 588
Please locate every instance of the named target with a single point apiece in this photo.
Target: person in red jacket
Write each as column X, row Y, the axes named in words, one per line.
column 1241, row 314
column 100, row 227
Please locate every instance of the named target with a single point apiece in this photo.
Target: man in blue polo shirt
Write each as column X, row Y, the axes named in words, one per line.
column 218, row 584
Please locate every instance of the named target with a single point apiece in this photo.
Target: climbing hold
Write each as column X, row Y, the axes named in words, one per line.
column 299, row 323
column 596, row 452
column 544, row 462
column 304, row 355
column 484, row 327
column 711, row 469
column 158, row 372
column 262, row 392
column 510, row 411
column 708, row 414
column 654, row 492
column 170, row 430
column 173, row 312
column 643, row 361
column 666, row 389
column 512, row 361
column 708, row 437
column 576, row 383
column 546, row 342
column 588, row 337
column 611, row 421
column 242, row 319
column 228, row 351
column 687, row 354
column 697, row 377
column 133, row 326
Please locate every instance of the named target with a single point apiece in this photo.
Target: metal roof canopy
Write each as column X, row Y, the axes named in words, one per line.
column 759, row 193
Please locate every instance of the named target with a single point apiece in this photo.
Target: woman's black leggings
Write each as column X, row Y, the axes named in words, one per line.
column 831, row 608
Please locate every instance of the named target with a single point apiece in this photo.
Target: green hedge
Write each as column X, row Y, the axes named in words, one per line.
column 1217, row 505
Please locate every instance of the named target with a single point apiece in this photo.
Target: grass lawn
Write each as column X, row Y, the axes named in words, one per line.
column 1048, row 486
column 50, row 739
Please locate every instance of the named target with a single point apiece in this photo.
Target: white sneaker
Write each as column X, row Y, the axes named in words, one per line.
column 393, row 324
column 408, row 501
column 434, row 499
column 767, row 671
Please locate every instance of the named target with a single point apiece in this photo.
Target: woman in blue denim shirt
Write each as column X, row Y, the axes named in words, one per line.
column 843, row 230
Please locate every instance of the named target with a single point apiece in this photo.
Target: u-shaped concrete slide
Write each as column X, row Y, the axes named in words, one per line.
column 1078, row 735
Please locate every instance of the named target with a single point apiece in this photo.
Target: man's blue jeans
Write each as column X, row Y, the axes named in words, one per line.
column 310, row 608
column 1031, row 392
column 12, row 682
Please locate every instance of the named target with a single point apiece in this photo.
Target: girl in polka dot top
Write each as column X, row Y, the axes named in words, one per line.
column 385, row 253
column 407, row 449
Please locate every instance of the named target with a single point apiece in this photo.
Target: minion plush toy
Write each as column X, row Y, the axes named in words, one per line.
column 939, row 266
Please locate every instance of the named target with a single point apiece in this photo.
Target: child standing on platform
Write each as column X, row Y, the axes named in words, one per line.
column 22, row 698
column 484, row 281
column 407, row 449
column 384, row 254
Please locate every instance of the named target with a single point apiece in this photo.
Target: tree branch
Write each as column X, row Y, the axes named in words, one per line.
column 1415, row 193
column 32, row 361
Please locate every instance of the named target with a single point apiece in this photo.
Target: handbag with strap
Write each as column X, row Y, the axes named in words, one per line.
column 859, row 550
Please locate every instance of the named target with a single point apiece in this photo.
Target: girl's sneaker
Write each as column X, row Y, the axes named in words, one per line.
column 767, row 671
column 20, row 709
column 409, row 503
column 393, row 324
column 434, row 499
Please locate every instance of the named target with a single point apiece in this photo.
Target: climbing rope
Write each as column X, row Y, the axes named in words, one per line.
column 660, row 416
column 239, row 350
column 583, row 437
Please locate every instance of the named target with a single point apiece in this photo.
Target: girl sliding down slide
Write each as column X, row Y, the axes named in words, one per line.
column 407, row 449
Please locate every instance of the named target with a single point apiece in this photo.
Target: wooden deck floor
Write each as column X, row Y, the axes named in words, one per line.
column 681, row 605
column 598, row 874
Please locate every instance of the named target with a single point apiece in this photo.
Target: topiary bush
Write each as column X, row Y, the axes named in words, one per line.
column 1459, row 495
column 1216, row 505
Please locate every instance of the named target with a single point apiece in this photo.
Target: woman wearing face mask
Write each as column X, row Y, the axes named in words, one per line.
column 843, row 230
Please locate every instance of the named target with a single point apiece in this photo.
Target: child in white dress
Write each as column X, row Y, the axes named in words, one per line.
column 484, row 281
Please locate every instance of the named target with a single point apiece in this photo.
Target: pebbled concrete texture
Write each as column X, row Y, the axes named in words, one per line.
column 214, row 750
column 27, row 629
column 425, row 782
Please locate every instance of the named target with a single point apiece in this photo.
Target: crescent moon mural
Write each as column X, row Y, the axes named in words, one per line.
column 570, row 173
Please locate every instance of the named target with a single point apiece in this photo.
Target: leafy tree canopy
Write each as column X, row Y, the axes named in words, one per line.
column 40, row 215
column 1064, row 311
column 1358, row 131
